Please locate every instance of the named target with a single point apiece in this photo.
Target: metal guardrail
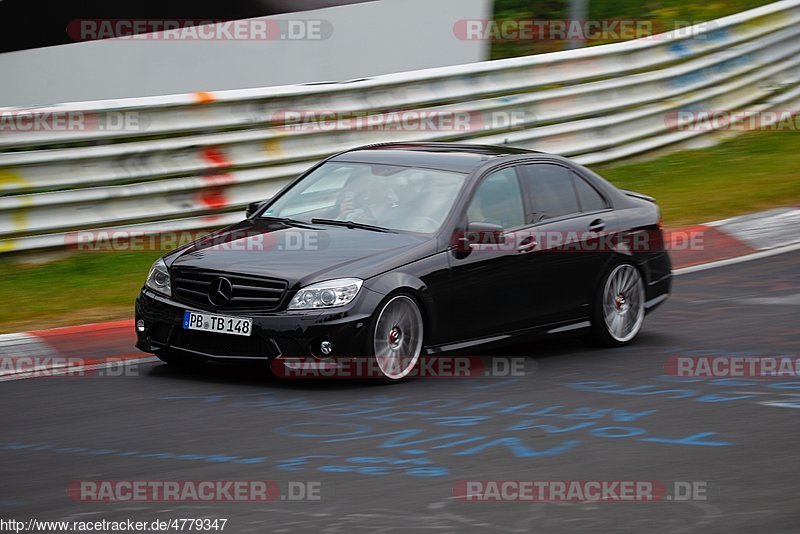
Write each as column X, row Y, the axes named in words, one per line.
column 189, row 160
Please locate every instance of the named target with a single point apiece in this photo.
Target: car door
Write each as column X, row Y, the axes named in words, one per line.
column 569, row 217
column 485, row 293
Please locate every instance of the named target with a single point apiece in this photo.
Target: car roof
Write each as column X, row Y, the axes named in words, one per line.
column 453, row 157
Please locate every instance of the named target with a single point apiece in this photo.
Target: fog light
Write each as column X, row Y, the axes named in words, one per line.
column 326, row 348
column 140, row 325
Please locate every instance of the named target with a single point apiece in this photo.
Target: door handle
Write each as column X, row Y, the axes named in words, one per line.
column 528, row 245
column 598, row 225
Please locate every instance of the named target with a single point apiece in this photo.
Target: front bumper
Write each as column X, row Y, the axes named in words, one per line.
column 276, row 334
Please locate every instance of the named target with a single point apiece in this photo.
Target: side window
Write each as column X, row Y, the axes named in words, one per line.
column 498, row 200
column 551, row 190
column 589, row 197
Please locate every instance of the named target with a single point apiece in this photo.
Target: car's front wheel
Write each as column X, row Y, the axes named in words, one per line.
column 619, row 306
column 397, row 334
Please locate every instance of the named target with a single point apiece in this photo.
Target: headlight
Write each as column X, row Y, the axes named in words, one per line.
column 158, row 278
column 328, row 294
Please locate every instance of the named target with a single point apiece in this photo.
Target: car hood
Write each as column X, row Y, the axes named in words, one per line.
column 301, row 255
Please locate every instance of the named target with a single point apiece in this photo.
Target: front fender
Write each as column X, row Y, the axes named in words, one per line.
column 392, row 282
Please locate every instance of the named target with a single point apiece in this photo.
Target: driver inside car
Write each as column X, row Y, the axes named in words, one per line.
column 367, row 199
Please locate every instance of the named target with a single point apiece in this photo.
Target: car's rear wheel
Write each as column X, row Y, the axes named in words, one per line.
column 619, row 306
column 180, row 360
column 397, row 335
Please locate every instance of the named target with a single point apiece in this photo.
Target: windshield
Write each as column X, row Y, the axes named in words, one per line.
column 398, row 198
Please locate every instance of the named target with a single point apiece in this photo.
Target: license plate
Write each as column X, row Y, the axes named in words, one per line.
column 238, row 326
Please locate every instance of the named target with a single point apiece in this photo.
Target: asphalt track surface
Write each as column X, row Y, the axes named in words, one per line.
column 388, row 457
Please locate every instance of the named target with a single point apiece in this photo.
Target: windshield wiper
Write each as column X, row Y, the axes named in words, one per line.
column 351, row 224
column 286, row 220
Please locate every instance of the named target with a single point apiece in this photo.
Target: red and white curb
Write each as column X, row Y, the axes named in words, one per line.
column 94, row 346
column 736, row 240
column 68, row 350
column 764, row 230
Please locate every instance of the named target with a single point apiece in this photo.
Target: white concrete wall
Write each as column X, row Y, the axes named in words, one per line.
column 368, row 39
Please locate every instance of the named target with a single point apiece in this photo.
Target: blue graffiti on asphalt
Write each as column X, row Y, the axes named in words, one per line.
column 409, row 440
column 442, row 426
column 650, row 390
column 696, row 391
column 365, row 465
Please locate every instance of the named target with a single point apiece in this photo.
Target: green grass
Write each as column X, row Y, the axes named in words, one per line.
column 82, row 288
column 751, row 172
column 663, row 13
column 755, row 171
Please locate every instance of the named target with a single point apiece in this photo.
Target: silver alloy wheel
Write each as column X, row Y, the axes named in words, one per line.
column 397, row 341
column 623, row 303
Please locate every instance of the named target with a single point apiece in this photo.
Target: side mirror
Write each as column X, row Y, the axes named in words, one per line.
column 483, row 233
column 254, row 208
column 478, row 233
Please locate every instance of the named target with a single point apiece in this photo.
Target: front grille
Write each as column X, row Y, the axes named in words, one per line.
column 249, row 292
column 216, row 344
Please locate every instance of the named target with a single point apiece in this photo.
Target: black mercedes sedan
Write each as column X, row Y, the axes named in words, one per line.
column 396, row 251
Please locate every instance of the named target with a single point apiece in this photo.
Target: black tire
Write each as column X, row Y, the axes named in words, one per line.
column 618, row 306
